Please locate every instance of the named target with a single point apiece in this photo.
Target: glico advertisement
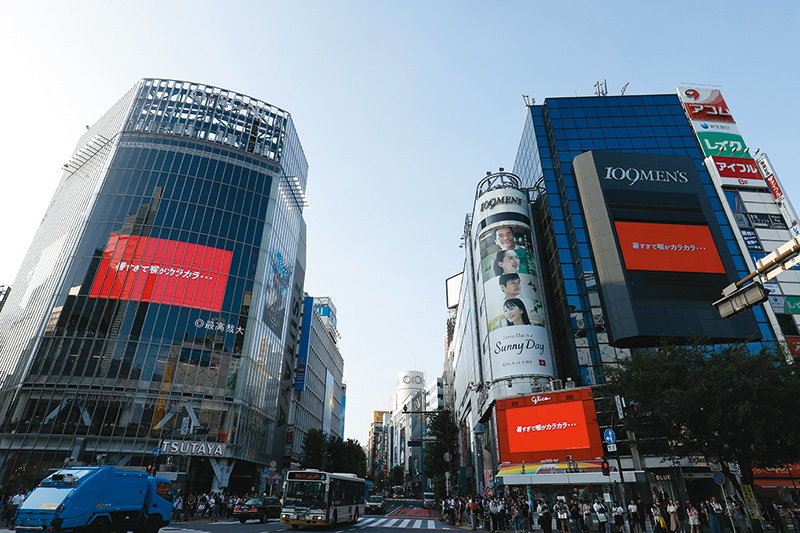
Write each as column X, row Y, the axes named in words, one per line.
column 548, row 427
column 162, row 271
column 506, row 269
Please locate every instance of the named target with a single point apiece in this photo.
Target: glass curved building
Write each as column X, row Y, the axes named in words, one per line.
column 158, row 306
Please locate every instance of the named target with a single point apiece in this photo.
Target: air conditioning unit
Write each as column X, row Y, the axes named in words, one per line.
column 569, row 384
column 556, row 384
column 537, row 388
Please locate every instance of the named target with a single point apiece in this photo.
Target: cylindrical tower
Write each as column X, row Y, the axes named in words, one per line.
column 507, row 283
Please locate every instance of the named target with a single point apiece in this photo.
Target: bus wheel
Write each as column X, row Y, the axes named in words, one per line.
column 355, row 517
column 334, row 519
column 295, row 526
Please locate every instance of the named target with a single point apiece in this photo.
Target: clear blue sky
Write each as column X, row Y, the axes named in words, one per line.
column 401, row 108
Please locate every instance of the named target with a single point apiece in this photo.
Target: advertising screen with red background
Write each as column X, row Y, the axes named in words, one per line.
column 668, row 247
column 162, row 271
column 548, row 427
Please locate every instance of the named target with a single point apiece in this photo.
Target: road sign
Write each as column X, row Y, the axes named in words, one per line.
column 618, row 399
column 271, row 474
column 186, row 425
column 611, row 447
column 273, row 465
column 157, row 451
column 271, row 481
column 609, row 436
column 719, row 478
column 716, row 467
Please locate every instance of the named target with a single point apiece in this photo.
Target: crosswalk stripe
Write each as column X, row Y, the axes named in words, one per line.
column 431, row 524
column 404, row 523
column 418, row 524
column 366, row 522
column 381, row 522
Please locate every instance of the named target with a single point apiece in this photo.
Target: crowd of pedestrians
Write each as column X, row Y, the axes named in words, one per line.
column 666, row 515
column 206, row 506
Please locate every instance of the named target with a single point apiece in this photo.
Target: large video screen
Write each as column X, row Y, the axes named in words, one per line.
column 541, row 428
column 548, row 427
column 668, row 247
column 162, row 271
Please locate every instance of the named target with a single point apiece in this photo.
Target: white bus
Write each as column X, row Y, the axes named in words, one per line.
column 316, row 498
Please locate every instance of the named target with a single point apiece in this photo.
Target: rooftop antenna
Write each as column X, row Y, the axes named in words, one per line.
column 622, row 92
column 601, row 88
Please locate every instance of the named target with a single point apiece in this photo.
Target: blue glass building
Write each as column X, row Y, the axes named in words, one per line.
column 557, row 132
column 159, row 303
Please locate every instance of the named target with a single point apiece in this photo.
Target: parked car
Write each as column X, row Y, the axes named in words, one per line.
column 428, row 500
column 261, row 508
column 375, row 504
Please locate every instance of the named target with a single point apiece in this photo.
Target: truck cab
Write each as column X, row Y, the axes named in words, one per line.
column 97, row 500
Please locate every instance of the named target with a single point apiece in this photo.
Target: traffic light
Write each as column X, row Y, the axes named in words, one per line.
column 150, row 469
column 606, row 468
column 199, row 430
column 737, row 300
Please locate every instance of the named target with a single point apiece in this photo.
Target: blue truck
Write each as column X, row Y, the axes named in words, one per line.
column 97, row 499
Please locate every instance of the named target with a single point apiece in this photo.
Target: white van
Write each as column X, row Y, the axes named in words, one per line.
column 428, row 500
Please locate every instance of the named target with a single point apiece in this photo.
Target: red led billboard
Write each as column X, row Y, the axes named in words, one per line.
column 668, row 247
column 548, row 427
column 162, row 271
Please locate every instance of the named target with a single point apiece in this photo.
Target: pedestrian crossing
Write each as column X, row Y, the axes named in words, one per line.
column 403, row 523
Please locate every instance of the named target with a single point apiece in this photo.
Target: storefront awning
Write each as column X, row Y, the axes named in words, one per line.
column 581, row 472
column 774, row 483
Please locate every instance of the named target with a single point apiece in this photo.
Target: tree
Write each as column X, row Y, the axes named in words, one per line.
column 397, row 475
column 739, row 402
column 315, row 446
column 380, row 481
column 442, row 426
column 346, row 457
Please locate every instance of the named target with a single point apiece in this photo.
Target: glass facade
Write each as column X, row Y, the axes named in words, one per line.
column 557, row 132
column 160, row 299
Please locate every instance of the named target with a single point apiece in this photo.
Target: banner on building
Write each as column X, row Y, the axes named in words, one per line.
column 506, row 269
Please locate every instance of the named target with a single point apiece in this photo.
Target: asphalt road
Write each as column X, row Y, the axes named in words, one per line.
column 400, row 514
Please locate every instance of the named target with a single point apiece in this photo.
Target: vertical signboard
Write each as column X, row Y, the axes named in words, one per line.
column 305, row 344
column 506, row 269
column 789, row 216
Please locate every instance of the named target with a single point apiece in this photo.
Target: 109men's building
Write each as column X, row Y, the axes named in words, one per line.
column 160, row 301
column 623, row 221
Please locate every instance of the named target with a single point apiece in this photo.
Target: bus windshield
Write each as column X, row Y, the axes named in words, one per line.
column 305, row 492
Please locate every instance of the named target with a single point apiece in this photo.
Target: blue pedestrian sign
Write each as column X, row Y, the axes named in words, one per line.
column 609, row 436
column 157, row 451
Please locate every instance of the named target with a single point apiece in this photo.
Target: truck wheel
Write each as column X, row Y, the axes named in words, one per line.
column 100, row 525
column 152, row 525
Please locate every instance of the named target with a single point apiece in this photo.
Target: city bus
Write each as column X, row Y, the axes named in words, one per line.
column 398, row 491
column 316, row 498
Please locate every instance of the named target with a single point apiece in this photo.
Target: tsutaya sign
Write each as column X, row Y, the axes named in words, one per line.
column 182, row 447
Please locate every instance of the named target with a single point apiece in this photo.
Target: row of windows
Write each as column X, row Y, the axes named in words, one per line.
column 668, row 121
column 179, row 145
column 615, row 101
column 632, row 132
column 614, row 111
column 228, row 175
